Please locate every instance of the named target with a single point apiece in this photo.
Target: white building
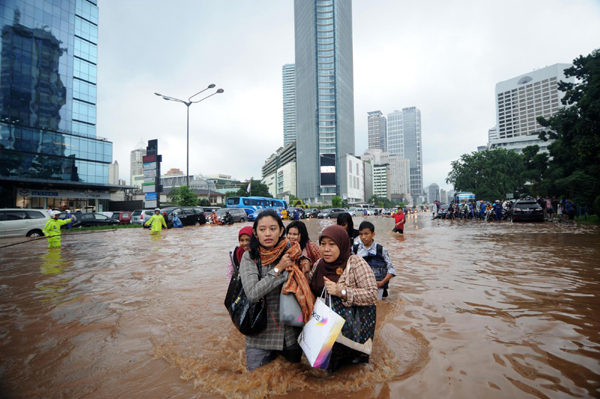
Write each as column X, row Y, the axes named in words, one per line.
column 137, row 162
column 377, row 130
column 520, row 100
column 279, row 172
column 381, row 187
column 433, row 193
column 443, row 196
column 355, row 181
column 399, row 179
column 113, row 173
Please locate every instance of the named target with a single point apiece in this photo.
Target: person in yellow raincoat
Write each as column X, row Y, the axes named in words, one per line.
column 52, row 229
column 157, row 221
column 284, row 214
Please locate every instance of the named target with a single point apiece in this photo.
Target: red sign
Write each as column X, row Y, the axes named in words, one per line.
column 149, row 158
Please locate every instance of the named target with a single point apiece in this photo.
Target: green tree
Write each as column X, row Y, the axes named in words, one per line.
column 489, row 174
column 204, row 202
column 575, row 154
column 336, row 201
column 258, row 189
column 183, row 196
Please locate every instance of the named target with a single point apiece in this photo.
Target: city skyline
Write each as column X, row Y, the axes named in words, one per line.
column 443, row 59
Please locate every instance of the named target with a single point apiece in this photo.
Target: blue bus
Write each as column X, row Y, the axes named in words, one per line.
column 252, row 204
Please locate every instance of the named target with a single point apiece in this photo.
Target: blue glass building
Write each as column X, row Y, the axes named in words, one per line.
column 49, row 152
column 404, row 141
column 324, row 97
column 289, row 103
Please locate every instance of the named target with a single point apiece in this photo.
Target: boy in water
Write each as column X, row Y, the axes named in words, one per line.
column 376, row 256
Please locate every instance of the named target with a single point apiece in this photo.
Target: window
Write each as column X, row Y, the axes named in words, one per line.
column 14, row 215
column 34, row 215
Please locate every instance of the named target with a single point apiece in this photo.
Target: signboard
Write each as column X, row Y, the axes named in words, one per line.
column 327, row 169
column 149, row 158
column 151, row 204
column 149, row 179
column 23, row 192
column 151, row 196
column 149, row 173
column 149, row 165
column 149, row 189
column 328, row 172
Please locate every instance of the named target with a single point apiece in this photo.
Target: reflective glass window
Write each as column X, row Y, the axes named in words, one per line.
column 86, row 50
column 84, row 91
column 85, row 70
column 87, row 10
column 84, row 112
column 86, row 30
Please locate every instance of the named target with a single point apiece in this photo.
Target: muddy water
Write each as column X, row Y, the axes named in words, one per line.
column 477, row 310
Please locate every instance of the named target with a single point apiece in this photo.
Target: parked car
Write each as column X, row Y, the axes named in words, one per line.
column 330, row 213
column 189, row 215
column 312, row 212
column 387, row 211
column 94, row 219
column 355, row 211
column 124, row 217
column 140, row 216
column 15, row 222
column 526, row 211
column 239, row 215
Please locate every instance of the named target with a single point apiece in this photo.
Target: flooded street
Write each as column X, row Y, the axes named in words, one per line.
column 477, row 310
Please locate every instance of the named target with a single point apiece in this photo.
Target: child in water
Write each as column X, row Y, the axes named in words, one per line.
column 376, row 256
column 235, row 257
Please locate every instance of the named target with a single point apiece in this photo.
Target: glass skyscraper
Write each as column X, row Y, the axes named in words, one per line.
column 404, row 141
column 377, row 131
column 324, row 96
column 289, row 103
column 48, row 69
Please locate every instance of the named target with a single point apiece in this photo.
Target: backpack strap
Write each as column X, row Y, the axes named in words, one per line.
column 354, row 248
column 379, row 250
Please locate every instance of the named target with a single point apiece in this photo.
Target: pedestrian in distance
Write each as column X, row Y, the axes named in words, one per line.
column 52, row 229
column 49, row 211
column 345, row 220
column 157, row 221
column 376, row 256
column 399, row 220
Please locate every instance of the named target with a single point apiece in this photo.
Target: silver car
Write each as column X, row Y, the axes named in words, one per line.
column 141, row 216
column 15, row 222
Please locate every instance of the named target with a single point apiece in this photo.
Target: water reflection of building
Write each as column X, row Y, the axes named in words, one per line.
column 50, row 154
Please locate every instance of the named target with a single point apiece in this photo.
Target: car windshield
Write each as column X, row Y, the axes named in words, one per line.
column 528, row 205
column 136, row 213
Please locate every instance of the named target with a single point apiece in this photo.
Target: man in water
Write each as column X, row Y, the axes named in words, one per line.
column 399, row 219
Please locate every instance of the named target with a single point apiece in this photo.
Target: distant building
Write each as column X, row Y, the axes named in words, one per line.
column 113, row 173
column 481, row 148
column 279, row 172
column 174, row 172
column 450, row 195
column 368, row 179
column 225, row 183
column 377, row 131
column 433, row 193
column 324, row 96
column 520, row 100
column 493, row 134
column 137, row 162
column 399, row 179
column 289, row 103
column 381, row 181
column 354, row 185
column 404, row 141
column 443, row 196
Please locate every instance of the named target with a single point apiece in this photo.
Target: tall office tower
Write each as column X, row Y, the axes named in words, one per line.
column 404, row 141
column 324, row 96
column 377, row 131
column 520, row 100
column 289, row 104
column 113, row 173
column 136, row 161
column 433, row 193
column 48, row 65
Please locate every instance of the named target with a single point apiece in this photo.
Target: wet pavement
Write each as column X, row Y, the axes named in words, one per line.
column 494, row 310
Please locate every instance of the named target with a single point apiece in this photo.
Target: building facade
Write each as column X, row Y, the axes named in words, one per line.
column 520, row 100
column 51, row 155
column 433, row 193
column 377, row 130
column 324, row 96
column 279, row 172
column 381, row 181
column 404, row 141
column 289, row 103
column 399, row 178
column 354, row 184
column 113, row 173
column 136, row 161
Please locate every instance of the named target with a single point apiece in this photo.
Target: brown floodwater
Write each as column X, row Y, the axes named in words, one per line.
column 477, row 310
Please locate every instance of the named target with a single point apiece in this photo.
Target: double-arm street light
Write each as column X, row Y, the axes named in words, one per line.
column 187, row 104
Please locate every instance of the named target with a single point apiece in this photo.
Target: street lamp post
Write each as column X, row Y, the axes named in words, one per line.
column 187, row 104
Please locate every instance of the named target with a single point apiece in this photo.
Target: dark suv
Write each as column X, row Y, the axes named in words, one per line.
column 331, row 213
column 526, row 211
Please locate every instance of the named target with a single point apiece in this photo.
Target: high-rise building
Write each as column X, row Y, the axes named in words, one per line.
column 51, row 155
column 443, row 196
column 289, row 103
column 324, row 96
column 433, row 193
column 520, row 100
column 279, row 171
column 399, row 178
column 377, row 131
column 381, row 181
column 113, row 173
column 404, row 141
column 136, row 161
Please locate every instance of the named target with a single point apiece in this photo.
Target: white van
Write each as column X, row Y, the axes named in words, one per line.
column 15, row 222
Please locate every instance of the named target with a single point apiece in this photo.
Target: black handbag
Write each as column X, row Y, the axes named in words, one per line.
column 248, row 317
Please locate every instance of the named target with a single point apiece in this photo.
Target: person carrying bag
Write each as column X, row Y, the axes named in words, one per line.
column 296, row 300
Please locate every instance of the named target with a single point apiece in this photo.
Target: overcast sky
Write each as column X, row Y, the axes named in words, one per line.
column 444, row 57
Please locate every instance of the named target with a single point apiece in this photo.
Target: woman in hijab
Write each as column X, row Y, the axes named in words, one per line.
column 275, row 255
column 235, row 257
column 297, row 232
column 352, row 288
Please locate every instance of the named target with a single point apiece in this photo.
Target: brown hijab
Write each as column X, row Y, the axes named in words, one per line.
column 332, row 270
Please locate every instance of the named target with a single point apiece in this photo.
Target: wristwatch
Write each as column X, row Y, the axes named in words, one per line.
column 276, row 270
column 344, row 292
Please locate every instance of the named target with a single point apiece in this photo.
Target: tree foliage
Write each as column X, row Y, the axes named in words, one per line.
column 257, row 188
column 336, row 201
column 183, row 196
